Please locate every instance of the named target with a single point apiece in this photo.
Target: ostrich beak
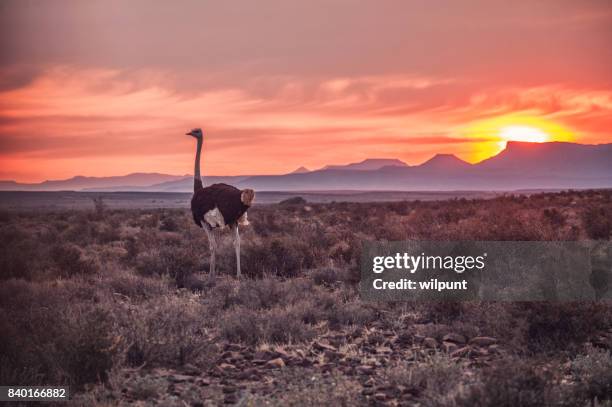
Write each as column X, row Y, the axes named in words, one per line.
column 189, row 134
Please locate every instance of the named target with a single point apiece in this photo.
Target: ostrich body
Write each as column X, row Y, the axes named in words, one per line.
column 218, row 206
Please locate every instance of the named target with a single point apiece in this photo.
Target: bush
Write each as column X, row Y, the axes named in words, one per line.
column 598, row 222
column 512, row 383
column 553, row 326
column 593, row 374
column 69, row 261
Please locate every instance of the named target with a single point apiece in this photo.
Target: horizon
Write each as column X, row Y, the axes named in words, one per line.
column 309, row 170
column 99, row 89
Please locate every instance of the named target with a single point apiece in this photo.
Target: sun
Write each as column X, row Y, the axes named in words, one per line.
column 492, row 135
column 523, row 133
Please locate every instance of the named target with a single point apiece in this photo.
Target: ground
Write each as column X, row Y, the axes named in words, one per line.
column 117, row 304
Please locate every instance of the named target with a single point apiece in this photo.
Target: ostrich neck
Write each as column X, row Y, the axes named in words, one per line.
column 196, row 171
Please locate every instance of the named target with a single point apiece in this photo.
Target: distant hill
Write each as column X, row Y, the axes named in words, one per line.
column 80, row 182
column 300, row 170
column 519, row 166
column 368, row 165
column 444, row 162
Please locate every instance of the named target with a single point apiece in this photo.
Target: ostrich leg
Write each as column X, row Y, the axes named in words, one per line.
column 237, row 248
column 212, row 243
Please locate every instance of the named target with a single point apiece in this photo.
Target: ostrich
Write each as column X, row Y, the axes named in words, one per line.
column 218, row 206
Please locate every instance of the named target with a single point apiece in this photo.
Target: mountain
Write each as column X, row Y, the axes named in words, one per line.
column 368, row 164
column 79, row 182
column 555, row 158
column 520, row 165
column 300, row 170
column 444, row 162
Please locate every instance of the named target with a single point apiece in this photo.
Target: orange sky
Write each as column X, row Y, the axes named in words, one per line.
column 101, row 88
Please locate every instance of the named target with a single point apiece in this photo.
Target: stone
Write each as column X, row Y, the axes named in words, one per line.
column 191, row 370
column 483, row 341
column 365, row 369
column 384, row 350
column 430, row 343
column 322, row 346
column 380, row 396
column 367, row 391
column 461, row 352
column 275, row 363
column 449, row 347
column 180, row 378
column 229, row 389
column 264, row 355
column 226, row 366
column 455, row 338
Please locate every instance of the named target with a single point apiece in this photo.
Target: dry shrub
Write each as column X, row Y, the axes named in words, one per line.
column 18, row 254
column 177, row 262
column 350, row 313
column 47, row 342
column 70, row 262
column 598, row 222
column 435, row 379
column 282, row 257
column 592, row 373
column 554, row 326
column 512, row 383
column 273, row 326
column 167, row 330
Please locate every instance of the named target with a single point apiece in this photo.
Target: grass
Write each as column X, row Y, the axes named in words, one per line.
column 88, row 294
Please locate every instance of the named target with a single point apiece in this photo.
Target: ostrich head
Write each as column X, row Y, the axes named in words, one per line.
column 197, row 133
column 247, row 196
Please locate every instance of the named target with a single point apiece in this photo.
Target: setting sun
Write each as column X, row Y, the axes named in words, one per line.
column 523, row 133
column 496, row 132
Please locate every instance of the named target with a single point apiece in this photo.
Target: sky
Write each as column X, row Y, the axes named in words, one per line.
column 102, row 88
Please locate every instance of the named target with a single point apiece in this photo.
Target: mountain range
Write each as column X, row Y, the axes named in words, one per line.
column 521, row 165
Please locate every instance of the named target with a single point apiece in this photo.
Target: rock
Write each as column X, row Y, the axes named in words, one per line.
column 418, row 338
column 265, row 355
column 367, row 391
column 430, row 343
column 233, row 347
column 461, row 352
column 494, row 349
column 380, row 396
column 322, row 346
column 483, row 341
column 231, row 398
column 449, row 347
column 282, row 354
column 478, row 352
column 455, row 338
column 365, row 369
column 331, row 355
column 191, row 370
column 226, row 366
column 180, row 378
column 203, row 382
column 384, row 350
column 229, row 389
column 275, row 363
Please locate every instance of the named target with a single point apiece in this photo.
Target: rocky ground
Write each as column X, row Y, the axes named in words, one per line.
column 360, row 361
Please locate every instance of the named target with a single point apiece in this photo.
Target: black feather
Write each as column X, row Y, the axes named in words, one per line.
column 225, row 197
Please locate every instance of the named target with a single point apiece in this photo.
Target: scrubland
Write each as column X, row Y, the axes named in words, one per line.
column 118, row 305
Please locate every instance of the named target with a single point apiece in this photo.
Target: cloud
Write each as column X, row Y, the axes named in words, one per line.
column 278, row 85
